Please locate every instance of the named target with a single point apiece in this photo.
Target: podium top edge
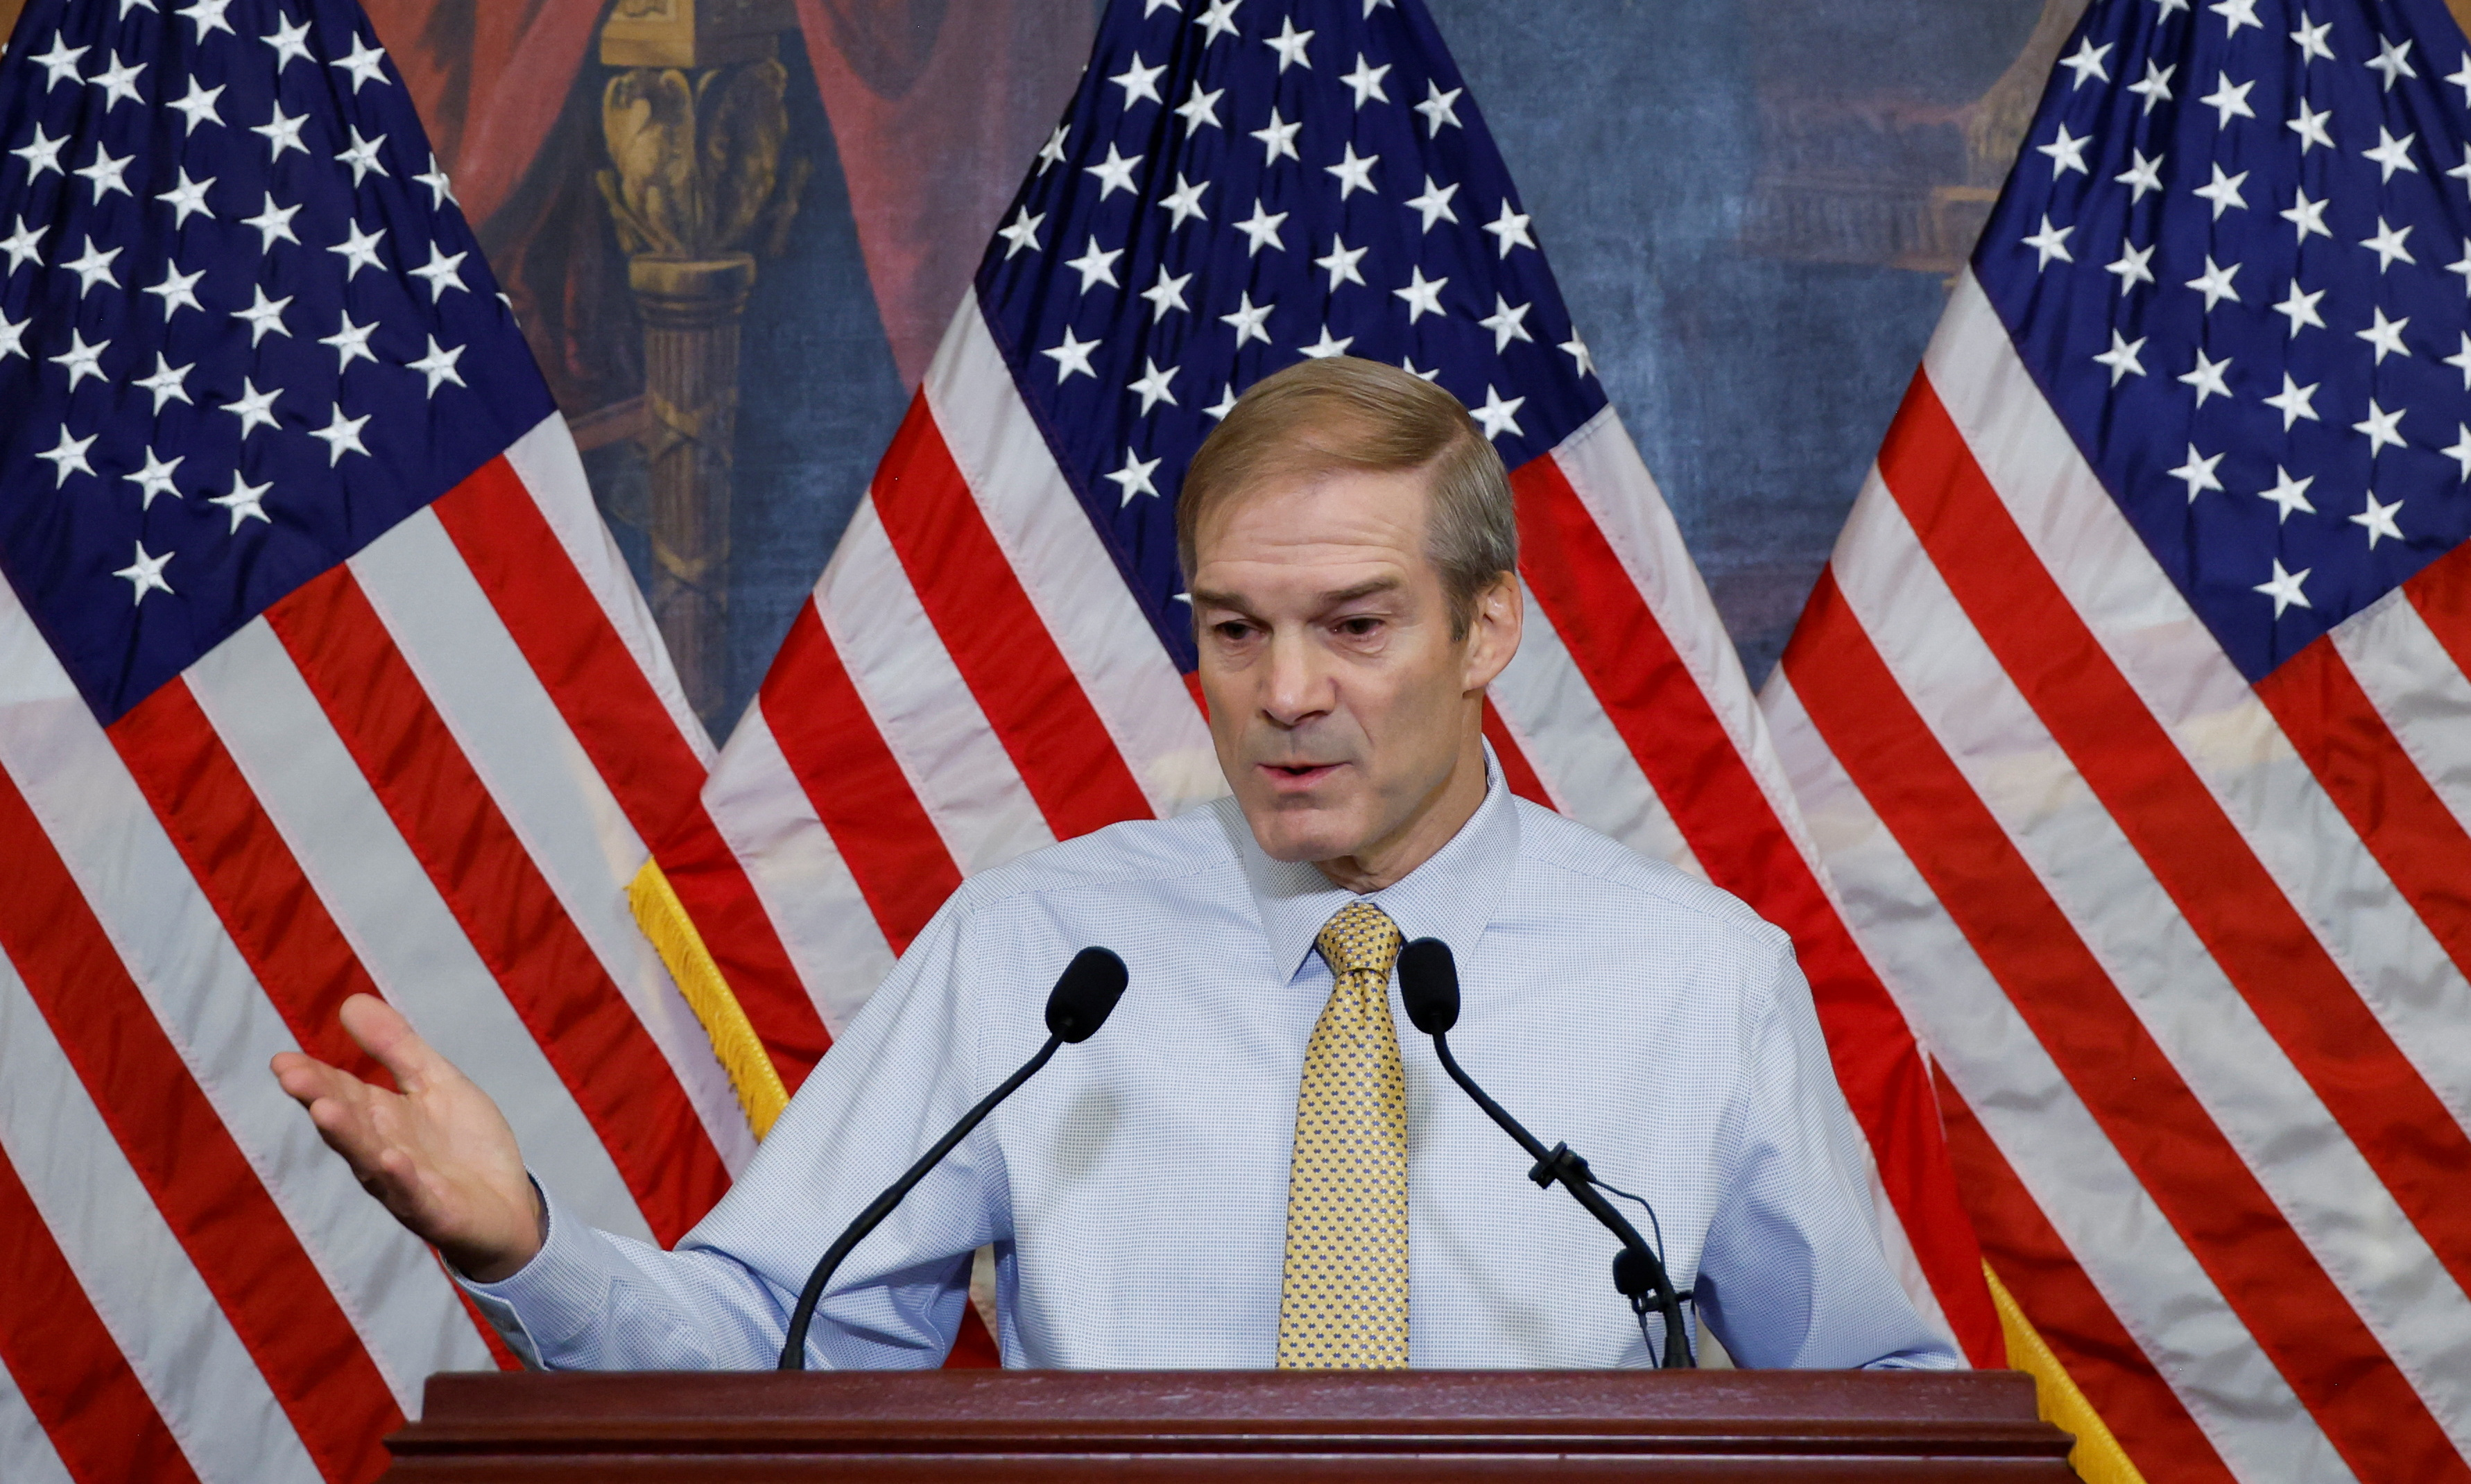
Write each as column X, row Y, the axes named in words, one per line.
column 1204, row 1399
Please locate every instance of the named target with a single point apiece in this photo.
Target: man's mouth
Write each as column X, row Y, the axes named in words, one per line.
column 1297, row 775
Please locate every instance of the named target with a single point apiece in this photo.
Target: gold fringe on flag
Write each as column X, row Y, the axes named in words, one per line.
column 664, row 919
column 2097, row 1458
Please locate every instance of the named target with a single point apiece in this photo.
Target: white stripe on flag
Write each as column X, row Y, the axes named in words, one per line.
column 797, row 872
column 545, row 459
column 183, row 1351
column 219, row 1020
column 1611, row 480
column 2264, row 1107
column 392, row 916
column 545, row 785
column 23, row 1442
column 930, row 720
column 2124, row 1244
column 1080, row 596
column 1575, row 749
column 2422, row 696
column 2183, row 678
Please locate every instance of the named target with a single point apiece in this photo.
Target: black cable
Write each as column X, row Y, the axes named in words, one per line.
column 1638, row 1304
column 1638, row 1272
column 1652, row 1225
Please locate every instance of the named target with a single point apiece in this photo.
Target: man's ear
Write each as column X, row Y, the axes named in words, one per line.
column 1494, row 629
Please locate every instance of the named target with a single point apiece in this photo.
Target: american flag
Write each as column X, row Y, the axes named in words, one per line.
column 317, row 675
column 1000, row 654
column 2132, row 717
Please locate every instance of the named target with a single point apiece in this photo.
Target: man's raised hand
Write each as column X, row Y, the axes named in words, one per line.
column 438, row 1154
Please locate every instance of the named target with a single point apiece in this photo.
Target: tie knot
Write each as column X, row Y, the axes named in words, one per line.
column 1359, row 940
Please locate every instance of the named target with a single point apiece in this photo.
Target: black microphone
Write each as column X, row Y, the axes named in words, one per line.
column 1084, row 996
column 1429, row 982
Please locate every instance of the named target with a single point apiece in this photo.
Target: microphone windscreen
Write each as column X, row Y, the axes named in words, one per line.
column 1429, row 982
column 1085, row 995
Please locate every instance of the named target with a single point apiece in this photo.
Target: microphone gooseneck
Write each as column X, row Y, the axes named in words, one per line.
column 1428, row 983
column 1084, row 996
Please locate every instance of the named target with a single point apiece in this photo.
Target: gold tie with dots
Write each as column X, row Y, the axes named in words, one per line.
column 1344, row 1299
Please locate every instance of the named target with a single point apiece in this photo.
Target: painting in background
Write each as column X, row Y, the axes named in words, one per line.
column 735, row 229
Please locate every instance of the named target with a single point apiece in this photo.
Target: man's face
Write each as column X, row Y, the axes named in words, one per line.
column 1347, row 718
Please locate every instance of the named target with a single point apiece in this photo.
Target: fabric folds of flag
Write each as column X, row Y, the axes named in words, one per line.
column 1000, row 654
column 319, row 674
column 2130, row 716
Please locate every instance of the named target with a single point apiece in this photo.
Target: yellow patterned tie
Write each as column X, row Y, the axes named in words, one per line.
column 1344, row 1300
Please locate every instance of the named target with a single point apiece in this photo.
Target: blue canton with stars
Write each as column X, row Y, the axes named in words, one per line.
column 2236, row 254
column 244, row 329
column 1242, row 184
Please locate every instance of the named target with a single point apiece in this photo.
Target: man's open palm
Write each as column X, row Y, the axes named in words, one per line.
column 437, row 1153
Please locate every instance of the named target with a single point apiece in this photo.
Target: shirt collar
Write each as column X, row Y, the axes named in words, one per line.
column 1450, row 897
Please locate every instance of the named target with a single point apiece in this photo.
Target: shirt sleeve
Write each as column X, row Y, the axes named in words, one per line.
column 904, row 1069
column 1792, row 1274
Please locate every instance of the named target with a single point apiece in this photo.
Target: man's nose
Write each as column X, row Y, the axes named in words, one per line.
column 1295, row 687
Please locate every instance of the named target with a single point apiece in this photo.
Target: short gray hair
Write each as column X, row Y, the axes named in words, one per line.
column 1340, row 412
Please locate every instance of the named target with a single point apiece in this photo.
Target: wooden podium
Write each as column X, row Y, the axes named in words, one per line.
column 1223, row 1426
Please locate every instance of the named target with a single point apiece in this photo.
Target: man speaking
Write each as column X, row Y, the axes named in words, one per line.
column 1249, row 1165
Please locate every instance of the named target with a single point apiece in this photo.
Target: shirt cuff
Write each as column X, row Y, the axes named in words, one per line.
column 554, row 1301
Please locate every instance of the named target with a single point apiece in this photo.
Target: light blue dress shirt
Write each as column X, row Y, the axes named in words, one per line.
column 1136, row 1190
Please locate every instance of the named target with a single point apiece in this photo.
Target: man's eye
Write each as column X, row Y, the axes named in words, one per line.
column 1232, row 631
column 1359, row 628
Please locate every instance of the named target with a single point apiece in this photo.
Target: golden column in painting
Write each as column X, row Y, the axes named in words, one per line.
column 695, row 124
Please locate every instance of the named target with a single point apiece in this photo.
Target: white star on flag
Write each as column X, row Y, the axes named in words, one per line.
column 68, row 456
column 1151, row 386
column 2283, row 587
column 246, row 502
column 145, row 574
column 2378, row 519
column 1134, row 478
column 155, row 479
column 2122, row 357
column 1424, row 295
column 1498, row 415
column 2288, row 494
column 438, row 365
column 2197, row 473
column 342, row 435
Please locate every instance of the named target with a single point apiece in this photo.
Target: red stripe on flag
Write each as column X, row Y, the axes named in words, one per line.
column 2441, row 592
column 2134, row 1403
column 609, row 704
column 2335, row 729
column 1689, row 758
column 65, row 1363
column 712, row 885
column 2264, row 946
column 258, row 890
column 996, row 640
column 974, row 1349
column 855, row 783
column 2267, row 1275
column 496, row 891
column 1515, row 770
column 229, row 1225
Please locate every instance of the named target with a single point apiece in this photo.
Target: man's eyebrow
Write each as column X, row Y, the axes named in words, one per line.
column 1365, row 589
column 1211, row 598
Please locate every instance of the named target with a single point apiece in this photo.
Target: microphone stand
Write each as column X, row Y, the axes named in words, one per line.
column 793, row 1350
column 1638, row 1273
column 1084, row 996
